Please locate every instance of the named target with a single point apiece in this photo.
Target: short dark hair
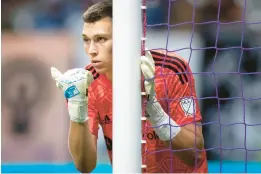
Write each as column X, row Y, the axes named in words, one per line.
column 98, row 11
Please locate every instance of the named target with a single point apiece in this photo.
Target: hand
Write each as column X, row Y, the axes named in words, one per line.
column 157, row 116
column 74, row 84
column 148, row 70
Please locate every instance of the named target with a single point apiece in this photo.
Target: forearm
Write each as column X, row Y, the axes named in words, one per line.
column 181, row 138
column 82, row 146
column 187, row 143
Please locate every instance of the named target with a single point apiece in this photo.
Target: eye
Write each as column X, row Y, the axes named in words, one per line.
column 86, row 40
column 101, row 39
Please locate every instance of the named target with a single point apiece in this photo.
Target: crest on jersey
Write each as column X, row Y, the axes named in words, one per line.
column 188, row 105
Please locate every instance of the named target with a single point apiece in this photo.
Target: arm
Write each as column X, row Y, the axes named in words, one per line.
column 186, row 112
column 83, row 138
column 179, row 137
column 188, row 138
column 83, row 130
column 82, row 146
column 182, row 116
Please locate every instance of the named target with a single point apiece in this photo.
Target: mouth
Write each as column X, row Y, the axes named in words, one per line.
column 97, row 64
column 95, row 61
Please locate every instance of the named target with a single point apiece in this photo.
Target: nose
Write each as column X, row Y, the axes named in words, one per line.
column 93, row 49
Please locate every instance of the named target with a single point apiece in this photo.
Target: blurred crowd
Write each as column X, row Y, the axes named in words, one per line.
column 29, row 16
column 39, row 14
column 57, row 14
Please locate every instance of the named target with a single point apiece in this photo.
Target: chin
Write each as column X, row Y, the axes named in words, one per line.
column 101, row 71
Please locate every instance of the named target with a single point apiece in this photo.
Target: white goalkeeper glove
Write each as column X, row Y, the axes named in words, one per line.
column 165, row 127
column 74, row 83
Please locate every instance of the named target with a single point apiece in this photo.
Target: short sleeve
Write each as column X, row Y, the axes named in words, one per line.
column 175, row 87
column 183, row 102
column 93, row 114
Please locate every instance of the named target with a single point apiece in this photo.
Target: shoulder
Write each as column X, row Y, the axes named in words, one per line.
column 93, row 71
column 98, row 86
column 96, row 77
column 171, row 65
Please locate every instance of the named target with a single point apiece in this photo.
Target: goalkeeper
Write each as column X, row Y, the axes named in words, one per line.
column 89, row 97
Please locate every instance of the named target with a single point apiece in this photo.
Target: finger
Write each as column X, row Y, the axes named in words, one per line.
column 89, row 78
column 145, row 68
column 150, row 58
column 148, row 61
column 147, row 72
column 55, row 73
column 148, row 69
column 59, row 85
column 71, row 72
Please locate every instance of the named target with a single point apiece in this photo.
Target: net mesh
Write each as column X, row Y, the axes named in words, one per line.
column 229, row 82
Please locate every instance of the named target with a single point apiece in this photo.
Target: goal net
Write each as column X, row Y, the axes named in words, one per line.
column 220, row 40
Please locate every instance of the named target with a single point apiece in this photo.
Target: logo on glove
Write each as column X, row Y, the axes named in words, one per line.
column 71, row 92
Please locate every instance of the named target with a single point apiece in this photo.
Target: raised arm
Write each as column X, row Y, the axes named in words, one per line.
column 83, row 121
column 183, row 135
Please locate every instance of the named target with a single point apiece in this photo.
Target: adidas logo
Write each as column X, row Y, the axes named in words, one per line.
column 106, row 120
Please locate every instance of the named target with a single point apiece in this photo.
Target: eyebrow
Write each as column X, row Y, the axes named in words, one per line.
column 96, row 35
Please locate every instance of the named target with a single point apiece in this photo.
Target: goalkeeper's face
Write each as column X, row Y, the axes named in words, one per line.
column 97, row 39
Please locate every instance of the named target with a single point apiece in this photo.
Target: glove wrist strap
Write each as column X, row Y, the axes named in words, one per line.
column 77, row 110
column 165, row 127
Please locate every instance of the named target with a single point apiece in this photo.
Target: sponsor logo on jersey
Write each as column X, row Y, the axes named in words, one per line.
column 151, row 135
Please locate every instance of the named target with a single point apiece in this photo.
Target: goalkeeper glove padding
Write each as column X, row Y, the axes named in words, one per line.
column 158, row 118
column 74, row 83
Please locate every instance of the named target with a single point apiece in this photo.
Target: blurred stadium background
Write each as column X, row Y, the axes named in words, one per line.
column 38, row 34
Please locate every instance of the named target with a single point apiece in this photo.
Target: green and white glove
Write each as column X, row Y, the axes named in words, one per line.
column 148, row 71
column 74, row 83
column 158, row 118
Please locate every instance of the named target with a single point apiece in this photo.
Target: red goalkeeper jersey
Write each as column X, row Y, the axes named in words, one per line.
column 175, row 91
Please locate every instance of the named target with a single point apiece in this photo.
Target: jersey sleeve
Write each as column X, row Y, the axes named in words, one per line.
column 93, row 114
column 183, row 102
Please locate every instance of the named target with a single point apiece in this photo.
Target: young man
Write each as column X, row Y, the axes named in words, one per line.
column 86, row 113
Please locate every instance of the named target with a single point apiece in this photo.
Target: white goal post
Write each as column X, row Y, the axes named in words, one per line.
column 127, row 30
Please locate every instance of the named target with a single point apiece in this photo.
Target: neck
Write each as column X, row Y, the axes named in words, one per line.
column 109, row 76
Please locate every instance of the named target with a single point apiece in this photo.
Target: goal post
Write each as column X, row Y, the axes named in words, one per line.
column 127, row 29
